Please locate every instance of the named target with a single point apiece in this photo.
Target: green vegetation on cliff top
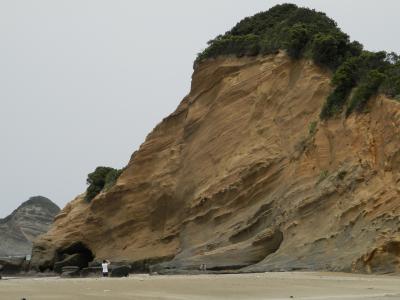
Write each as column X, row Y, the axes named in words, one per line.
column 304, row 33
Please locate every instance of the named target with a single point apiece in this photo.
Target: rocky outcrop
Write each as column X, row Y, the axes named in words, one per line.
column 13, row 265
column 244, row 176
column 29, row 220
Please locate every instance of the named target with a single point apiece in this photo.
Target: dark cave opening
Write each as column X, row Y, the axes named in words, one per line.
column 77, row 254
column 80, row 248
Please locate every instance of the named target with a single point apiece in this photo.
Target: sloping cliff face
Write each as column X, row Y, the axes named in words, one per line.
column 29, row 220
column 243, row 175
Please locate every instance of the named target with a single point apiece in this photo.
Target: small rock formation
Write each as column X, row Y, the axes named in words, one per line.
column 120, row 271
column 31, row 219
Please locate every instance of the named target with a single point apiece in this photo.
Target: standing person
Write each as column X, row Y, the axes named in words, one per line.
column 104, row 265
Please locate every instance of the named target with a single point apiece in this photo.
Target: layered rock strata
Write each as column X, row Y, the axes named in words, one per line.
column 23, row 225
column 244, row 176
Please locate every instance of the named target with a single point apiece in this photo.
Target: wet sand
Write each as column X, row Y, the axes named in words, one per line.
column 297, row 285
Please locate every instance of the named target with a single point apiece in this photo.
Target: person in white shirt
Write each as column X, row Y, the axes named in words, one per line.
column 104, row 266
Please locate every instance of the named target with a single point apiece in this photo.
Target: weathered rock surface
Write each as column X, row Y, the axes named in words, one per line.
column 235, row 179
column 29, row 220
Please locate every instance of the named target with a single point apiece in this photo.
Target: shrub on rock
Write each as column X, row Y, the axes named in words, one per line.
column 101, row 178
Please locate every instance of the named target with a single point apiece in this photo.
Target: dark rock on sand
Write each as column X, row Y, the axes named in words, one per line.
column 120, row 271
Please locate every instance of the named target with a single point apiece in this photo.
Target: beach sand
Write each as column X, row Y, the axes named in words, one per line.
column 298, row 285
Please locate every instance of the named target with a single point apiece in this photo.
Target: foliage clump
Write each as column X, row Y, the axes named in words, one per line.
column 103, row 178
column 367, row 88
column 306, row 33
column 111, row 178
column 300, row 31
column 362, row 76
column 391, row 85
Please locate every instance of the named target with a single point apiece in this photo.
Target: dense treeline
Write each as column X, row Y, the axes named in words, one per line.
column 102, row 179
column 310, row 34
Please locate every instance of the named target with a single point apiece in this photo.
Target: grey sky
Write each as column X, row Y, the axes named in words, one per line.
column 83, row 82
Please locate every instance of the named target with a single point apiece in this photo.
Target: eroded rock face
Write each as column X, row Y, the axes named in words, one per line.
column 235, row 179
column 29, row 220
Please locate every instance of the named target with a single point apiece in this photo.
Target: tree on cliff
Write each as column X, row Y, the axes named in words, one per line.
column 102, row 178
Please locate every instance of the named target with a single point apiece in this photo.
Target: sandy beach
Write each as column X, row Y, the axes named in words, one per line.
column 276, row 286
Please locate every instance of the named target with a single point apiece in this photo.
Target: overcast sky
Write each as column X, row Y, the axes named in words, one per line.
column 83, row 82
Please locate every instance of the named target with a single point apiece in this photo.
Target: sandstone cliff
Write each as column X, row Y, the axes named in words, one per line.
column 29, row 220
column 244, row 175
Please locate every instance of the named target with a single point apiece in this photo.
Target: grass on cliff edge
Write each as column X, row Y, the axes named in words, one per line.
column 306, row 33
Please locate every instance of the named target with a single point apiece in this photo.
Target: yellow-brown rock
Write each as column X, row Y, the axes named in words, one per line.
column 244, row 175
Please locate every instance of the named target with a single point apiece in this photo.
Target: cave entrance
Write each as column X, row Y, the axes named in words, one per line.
column 80, row 248
column 77, row 254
